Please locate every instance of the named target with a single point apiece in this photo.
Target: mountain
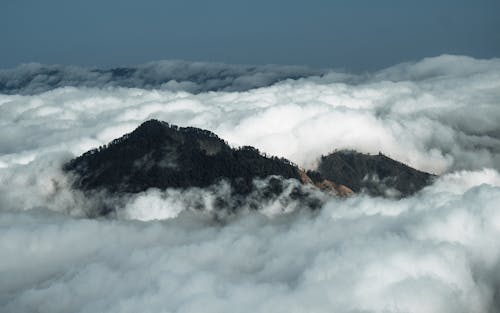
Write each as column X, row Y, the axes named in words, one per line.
column 377, row 175
column 160, row 155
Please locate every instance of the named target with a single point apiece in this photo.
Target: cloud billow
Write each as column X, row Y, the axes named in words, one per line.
column 435, row 251
column 445, row 119
column 195, row 77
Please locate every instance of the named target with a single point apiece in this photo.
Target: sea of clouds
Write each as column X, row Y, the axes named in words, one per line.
column 436, row 251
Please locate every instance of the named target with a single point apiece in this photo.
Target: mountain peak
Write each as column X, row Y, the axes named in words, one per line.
column 160, row 155
column 376, row 174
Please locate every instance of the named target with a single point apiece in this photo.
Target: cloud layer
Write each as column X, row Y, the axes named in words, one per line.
column 438, row 115
column 195, row 77
column 434, row 252
column 437, row 252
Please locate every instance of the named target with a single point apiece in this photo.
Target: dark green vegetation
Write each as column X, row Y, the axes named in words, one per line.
column 160, row 155
column 376, row 175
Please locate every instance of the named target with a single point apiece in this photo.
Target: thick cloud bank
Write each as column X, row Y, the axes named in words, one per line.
column 33, row 78
column 436, row 251
column 437, row 115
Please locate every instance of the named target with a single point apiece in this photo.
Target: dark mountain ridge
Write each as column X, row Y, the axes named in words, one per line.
column 377, row 175
column 160, row 155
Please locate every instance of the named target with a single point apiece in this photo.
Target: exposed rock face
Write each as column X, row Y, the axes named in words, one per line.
column 377, row 175
column 324, row 184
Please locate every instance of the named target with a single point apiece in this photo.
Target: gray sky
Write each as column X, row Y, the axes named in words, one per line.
column 353, row 35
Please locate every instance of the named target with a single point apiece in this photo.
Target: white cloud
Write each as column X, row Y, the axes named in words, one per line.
column 442, row 121
column 360, row 254
column 434, row 252
column 175, row 75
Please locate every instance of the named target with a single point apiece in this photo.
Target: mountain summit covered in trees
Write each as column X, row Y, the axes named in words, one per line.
column 161, row 155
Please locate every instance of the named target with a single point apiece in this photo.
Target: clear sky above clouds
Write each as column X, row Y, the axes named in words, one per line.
column 350, row 34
